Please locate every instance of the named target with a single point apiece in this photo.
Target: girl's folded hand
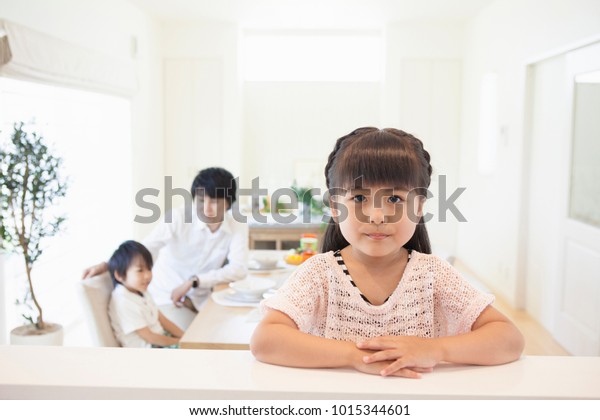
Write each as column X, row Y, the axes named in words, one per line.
column 414, row 353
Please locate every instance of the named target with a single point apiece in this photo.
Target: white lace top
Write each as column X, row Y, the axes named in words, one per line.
column 431, row 300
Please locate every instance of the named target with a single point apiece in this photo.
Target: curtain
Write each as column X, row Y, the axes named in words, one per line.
column 31, row 55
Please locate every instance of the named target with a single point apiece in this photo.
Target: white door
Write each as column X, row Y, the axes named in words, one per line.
column 577, row 324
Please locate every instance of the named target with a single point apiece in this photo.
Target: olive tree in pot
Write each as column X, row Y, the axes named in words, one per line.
column 30, row 184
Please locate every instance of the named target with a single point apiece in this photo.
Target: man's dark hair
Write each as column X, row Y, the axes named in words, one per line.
column 124, row 256
column 216, row 183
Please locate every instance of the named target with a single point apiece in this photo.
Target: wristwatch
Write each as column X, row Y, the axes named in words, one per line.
column 195, row 281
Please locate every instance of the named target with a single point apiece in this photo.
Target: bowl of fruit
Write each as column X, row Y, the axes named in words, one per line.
column 298, row 256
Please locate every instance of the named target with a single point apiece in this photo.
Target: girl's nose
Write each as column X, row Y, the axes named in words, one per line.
column 377, row 217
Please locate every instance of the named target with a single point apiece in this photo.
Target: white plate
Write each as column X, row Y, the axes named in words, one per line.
column 229, row 297
column 252, row 287
column 253, row 265
column 240, row 297
column 282, row 266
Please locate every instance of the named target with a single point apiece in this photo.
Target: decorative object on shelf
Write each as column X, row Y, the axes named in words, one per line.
column 306, row 200
column 30, row 184
column 309, row 242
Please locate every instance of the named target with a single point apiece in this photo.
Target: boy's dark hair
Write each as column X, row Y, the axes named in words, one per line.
column 123, row 257
column 216, row 183
column 374, row 156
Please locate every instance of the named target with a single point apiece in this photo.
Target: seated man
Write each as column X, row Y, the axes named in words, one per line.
column 198, row 248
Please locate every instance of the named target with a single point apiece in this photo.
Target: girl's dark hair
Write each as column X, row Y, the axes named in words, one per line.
column 378, row 157
column 216, row 183
column 124, row 256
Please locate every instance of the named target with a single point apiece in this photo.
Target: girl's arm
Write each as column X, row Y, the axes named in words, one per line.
column 169, row 326
column 278, row 341
column 493, row 340
column 157, row 339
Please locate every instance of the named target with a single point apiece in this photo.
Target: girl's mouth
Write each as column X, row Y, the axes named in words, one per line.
column 377, row 236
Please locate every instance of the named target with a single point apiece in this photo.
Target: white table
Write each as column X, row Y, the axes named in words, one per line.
column 220, row 327
column 117, row 373
column 228, row 328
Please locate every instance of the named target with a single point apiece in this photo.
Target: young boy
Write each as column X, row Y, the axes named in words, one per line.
column 134, row 316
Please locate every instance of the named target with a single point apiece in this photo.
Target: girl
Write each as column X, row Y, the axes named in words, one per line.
column 375, row 299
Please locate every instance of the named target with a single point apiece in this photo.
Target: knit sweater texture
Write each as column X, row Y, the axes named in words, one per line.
column 431, row 300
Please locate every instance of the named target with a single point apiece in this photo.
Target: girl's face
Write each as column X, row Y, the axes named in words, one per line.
column 137, row 277
column 377, row 221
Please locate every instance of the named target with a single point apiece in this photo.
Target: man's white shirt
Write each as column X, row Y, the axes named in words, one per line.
column 185, row 246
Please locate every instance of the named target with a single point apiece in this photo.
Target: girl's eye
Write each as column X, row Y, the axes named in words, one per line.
column 359, row 198
column 395, row 199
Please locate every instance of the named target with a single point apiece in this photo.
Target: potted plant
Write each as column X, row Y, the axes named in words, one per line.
column 308, row 202
column 30, row 184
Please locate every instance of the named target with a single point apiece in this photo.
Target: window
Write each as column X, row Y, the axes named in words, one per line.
column 92, row 133
column 585, row 189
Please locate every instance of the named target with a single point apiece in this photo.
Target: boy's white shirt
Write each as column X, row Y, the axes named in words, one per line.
column 129, row 312
column 181, row 250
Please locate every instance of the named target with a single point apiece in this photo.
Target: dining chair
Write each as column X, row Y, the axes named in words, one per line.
column 94, row 295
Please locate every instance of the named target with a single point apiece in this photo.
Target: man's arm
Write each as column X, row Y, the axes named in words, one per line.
column 95, row 270
column 237, row 261
column 235, row 269
column 159, row 236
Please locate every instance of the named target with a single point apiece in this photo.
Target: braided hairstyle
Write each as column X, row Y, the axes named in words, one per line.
column 378, row 157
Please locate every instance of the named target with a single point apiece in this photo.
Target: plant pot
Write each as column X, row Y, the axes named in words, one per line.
column 28, row 335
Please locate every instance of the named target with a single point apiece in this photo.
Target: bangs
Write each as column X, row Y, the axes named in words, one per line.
column 379, row 158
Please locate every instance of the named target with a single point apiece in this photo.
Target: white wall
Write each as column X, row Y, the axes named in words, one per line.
column 289, row 125
column 503, row 38
column 414, row 41
column 421, row 95
column 202, row 99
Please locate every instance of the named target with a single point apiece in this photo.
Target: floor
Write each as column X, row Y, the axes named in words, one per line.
column 538, row 340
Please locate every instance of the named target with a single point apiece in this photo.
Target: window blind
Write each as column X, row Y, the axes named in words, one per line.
column 31, row 55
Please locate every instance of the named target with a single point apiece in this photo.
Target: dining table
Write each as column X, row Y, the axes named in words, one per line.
column 227, row 324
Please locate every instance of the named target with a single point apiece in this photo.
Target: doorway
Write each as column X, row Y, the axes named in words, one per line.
column 562, row 237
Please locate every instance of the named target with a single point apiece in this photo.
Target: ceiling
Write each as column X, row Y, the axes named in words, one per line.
column 312, row 13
